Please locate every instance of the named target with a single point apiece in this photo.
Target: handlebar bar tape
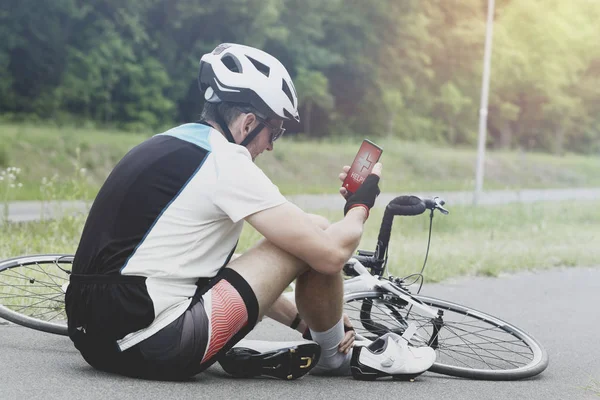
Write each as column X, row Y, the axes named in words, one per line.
column 406, row 205
column 402, row 205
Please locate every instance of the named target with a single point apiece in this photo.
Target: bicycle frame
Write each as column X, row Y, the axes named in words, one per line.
column 365, row 282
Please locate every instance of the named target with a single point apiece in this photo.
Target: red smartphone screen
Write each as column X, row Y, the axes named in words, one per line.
column 363, row 164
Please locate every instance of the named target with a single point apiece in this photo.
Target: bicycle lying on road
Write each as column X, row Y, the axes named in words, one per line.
column 469, row 343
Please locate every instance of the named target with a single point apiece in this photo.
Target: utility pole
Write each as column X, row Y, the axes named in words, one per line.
column 483, row 110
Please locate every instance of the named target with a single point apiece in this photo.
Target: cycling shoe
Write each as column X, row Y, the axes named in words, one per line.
column 281, row 360
column 390, row 355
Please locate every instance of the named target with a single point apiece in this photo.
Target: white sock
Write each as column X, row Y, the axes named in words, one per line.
column 332, row 362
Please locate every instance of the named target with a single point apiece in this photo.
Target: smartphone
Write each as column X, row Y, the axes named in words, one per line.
column 363, row 164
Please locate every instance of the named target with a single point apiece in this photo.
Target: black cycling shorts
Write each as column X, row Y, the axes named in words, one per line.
column 221, row 314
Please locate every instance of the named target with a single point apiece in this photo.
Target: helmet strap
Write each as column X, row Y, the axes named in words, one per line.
column 221, row 121
column 252, row 134
column 229, row 136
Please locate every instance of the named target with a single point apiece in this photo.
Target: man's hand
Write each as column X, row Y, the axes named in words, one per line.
column 367, row 192
column 343, row 176
column 348, row 341
column 376, row 170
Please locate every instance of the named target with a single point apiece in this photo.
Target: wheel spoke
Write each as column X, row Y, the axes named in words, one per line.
column 34, row 290
column 454, row 358
column 500, row 350
column 481, row 345
column 21, row 276
column 34, row 294
column 43, row 271
column 493, row 338
column 497, row 358
column 48, row 300
column 42, row 296
column 465, row 340
column 44, row 315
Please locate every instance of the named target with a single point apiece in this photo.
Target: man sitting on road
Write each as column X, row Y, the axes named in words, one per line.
column 154, row 292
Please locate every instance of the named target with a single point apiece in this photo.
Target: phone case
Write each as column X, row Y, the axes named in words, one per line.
column 366, row 158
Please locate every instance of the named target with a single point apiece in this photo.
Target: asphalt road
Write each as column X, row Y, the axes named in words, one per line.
column 558, row 307
column 34, row 210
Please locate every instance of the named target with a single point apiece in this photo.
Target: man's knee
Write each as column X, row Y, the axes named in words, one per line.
column 320, row 221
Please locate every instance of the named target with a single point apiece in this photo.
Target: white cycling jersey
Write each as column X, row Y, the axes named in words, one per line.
column 171, row 212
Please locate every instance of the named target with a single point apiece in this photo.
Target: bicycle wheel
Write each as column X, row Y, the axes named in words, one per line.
column 468, row 343
column 32, row 291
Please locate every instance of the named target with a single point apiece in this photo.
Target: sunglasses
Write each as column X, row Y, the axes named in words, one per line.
column 276, row 131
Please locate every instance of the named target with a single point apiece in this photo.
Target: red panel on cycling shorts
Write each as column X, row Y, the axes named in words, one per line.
column 227, row 316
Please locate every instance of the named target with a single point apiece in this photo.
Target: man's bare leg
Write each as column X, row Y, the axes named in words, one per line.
column 319, row 297
column 268, row 270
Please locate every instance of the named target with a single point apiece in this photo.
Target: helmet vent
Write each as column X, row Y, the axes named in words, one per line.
column 232, row 63
column 264, row 69
column 220, row 48
column 286, row 90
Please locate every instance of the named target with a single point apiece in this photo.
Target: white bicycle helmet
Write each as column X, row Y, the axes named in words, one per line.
column 246, row 75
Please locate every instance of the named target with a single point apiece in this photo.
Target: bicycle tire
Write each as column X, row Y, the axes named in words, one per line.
column 374, row 313
column 32, row 291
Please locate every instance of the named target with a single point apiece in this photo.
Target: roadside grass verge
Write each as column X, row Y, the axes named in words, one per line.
column 52, row 154
column 484, row 241
column 297, row 165
column 470, row 241
column 50, row 236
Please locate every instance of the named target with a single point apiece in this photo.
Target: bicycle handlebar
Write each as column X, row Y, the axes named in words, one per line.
column 413, row 205
column 407, row 206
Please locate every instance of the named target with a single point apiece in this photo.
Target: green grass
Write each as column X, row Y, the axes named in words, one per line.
column 51, row 236
column 58, row 154
column 470, row 241
column 593, row 387
column 296, row 166
column 485, row 241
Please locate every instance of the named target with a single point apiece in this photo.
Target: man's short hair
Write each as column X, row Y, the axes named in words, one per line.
column 229, row 111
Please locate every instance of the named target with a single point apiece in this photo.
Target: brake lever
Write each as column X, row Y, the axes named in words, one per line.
column 439, row 203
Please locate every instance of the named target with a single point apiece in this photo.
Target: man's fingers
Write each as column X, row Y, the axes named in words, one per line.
column 344, row 172
column 377, row 169
column 344, row 192
column 346, row 343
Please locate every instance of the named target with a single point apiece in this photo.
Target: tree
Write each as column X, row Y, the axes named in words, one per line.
column 532, row 72
column 451, row 106
column 313, row 90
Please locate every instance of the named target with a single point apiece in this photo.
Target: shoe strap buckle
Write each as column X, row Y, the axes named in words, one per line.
column 307, row 362
column 388, row 362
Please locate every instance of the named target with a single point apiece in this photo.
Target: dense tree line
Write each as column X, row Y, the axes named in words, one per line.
column 406, row 68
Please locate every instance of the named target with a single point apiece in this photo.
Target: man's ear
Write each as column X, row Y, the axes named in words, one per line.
column 249, row 121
